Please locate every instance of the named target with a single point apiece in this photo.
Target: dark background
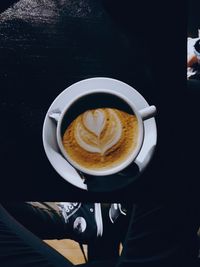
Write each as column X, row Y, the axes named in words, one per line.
column 45, row 46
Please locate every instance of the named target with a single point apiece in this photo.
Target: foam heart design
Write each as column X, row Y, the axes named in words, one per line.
column 88, row 130
column 94, row 121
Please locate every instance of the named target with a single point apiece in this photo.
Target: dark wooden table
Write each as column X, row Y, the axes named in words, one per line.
column 46, row 46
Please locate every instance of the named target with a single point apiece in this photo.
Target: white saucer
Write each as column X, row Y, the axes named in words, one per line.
column 59, row 163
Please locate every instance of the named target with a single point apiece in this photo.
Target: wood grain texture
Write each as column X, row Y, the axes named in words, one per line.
column 69, row 249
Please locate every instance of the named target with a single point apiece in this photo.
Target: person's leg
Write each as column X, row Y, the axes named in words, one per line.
column 20, row 248
column 161, row 235
column 50, row 220
column 58, row 220
column 114, row 232
column 44, row 219
column 106, row 247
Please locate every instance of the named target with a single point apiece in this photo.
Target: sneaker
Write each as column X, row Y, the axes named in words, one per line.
column 115, row 211
column 83, row 220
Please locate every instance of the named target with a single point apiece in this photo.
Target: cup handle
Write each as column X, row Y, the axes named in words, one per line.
column 55, row 114
column 148, row 112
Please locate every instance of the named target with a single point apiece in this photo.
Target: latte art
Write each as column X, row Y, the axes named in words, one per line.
column 101, row 138
column 98, row 130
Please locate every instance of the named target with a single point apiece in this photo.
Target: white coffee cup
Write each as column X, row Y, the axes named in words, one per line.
column 83, row 101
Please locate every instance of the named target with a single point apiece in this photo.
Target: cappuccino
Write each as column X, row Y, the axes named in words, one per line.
column 102, row 138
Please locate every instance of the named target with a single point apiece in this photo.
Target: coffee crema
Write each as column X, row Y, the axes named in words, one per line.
column 101, row 139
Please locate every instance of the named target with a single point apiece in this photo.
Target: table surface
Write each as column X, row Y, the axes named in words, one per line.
column 45, row 47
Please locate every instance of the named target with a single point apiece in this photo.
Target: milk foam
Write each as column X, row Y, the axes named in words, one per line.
column 98, row 130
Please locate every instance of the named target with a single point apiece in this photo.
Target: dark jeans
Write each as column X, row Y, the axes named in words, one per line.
column 44, row 219
column 161, row 236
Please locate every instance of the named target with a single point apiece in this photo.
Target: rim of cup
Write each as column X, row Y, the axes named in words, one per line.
column 128, row 160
